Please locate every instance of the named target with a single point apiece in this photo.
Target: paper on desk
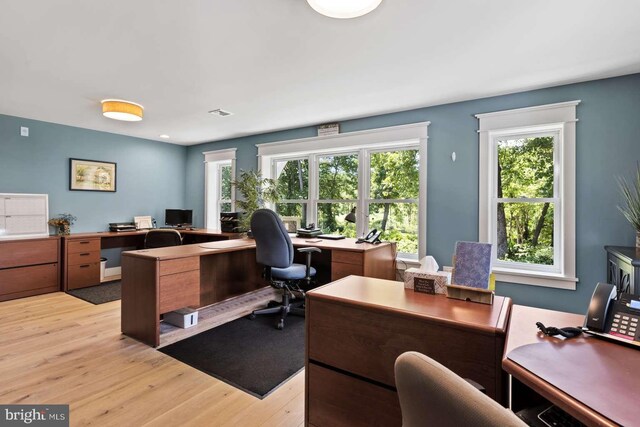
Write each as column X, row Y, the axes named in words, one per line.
column 428, row 263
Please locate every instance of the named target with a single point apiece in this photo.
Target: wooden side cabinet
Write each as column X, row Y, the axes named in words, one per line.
column 623, row 264
column 29, row 267
column 81, row 262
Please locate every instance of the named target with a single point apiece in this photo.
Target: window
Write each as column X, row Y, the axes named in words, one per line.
column 292, row 180
column 379, row 173
column 219, row 173
column 527, row 193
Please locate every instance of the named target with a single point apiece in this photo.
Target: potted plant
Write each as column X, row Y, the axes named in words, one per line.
column 63, row 223
column 255, row 191
column 631, row 209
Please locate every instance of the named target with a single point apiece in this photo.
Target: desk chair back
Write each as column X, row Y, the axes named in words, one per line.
column 432, row 395
column 273, row 244
column 162, row 238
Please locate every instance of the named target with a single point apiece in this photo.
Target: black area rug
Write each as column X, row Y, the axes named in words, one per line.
column 99, row 294
column 251, row 355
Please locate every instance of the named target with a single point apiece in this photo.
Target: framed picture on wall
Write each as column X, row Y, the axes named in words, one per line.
column 92, row 175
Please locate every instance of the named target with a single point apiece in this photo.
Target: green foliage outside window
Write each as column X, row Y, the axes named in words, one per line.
column 525, row 229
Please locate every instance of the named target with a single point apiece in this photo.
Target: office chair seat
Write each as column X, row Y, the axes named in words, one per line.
column 295, row 272
column 432, row 395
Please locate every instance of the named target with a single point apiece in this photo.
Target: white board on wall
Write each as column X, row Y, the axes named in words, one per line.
column 23, row 215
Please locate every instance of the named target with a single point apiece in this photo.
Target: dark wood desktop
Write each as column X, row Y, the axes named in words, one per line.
column 156, row 281
column 358, row 326
column 595, row 381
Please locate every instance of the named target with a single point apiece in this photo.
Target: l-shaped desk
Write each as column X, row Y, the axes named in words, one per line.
column 157, row 281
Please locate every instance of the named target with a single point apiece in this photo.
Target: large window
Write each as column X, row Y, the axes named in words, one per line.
column 220, row 172
column 527, row 193
column 378, row 175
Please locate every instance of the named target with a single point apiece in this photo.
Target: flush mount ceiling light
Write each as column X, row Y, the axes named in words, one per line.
column 118, row 109
column 343, row 9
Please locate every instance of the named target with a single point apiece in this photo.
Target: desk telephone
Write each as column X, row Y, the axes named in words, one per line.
column 613, row 319
column 372, row 237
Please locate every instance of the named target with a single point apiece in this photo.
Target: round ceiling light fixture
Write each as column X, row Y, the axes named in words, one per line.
column 343, row 9
column 118, row 109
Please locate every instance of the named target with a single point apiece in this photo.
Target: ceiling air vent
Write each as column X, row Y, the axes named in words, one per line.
column 220, row 112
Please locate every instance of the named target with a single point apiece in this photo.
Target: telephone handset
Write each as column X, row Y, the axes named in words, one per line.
column 614, row 319
column 372, row 237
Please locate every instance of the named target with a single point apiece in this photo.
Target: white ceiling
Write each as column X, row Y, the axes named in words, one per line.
column 277, row 64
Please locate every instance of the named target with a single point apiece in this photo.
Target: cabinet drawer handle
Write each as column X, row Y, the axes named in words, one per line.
column 85, row 254
column 85, row 243
column 85, row 266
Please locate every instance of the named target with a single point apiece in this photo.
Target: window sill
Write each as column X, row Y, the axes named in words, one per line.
column 406, row 263
column 548, row 280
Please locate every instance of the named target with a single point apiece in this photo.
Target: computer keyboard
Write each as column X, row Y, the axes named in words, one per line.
column 556, row 417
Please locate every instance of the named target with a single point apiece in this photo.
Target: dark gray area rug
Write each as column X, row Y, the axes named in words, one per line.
column 99, row 294
column 251, row 355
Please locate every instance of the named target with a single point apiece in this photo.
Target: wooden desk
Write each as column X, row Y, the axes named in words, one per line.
column 81, row 251
column 593, row 380
column 357, row 327
column 156, row 281
column 29, row 267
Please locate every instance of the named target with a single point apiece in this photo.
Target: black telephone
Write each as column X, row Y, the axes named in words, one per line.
column 372, row 237
column 613, row 319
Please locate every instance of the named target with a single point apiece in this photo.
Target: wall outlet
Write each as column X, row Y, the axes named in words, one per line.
column 24, row 131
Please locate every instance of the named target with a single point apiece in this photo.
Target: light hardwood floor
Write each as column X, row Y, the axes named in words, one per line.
column 55, row 348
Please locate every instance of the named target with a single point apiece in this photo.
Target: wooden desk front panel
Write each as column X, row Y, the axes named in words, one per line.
column 226, row 275
column 340, row 400
column 367, row 342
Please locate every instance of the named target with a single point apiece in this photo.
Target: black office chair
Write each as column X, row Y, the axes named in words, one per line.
column 274, row 250
column 162, row 238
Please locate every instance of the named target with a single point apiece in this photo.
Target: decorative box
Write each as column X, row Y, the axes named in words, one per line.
column 440, row 279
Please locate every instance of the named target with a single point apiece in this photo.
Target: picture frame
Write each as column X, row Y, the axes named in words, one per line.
column 92, row 175
column 291, row 223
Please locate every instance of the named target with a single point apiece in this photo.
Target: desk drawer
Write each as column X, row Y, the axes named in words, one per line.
column 376, row 338
column 173, row 266
column 340, row 270
column 179, row 290
column 28, row 278
column 28, row 252
column 339, row 400
column 83, row 245
column 347, row 257
column 83, row 275
column 78, row 258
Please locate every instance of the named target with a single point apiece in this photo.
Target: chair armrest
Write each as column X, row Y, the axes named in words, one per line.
column 307, row 250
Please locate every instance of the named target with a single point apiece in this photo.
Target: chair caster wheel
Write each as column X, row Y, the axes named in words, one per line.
column 252, row 316
column 280, row 325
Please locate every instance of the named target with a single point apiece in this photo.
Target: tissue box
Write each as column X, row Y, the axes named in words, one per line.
column 440, row 279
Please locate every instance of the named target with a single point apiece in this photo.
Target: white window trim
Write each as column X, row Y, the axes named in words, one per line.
column 404, row 136
column 215, row 159
column 560, row 116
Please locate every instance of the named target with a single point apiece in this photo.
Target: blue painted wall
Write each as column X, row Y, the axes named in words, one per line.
column 608, row 144
column 150, row 175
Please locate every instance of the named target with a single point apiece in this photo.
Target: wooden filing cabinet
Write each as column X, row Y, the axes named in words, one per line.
column 82, row 262
column 29, row 267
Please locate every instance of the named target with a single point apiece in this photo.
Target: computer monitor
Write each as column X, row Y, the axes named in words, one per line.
column 178, row 217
